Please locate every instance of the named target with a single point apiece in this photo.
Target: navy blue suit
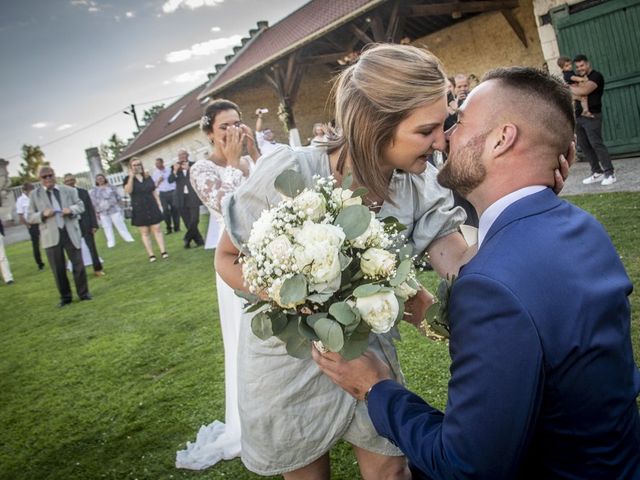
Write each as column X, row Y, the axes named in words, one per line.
column 543, row 382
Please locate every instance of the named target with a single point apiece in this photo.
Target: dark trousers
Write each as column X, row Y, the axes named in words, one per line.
column 589, row 131
column 191, row 218
column 34, row 233
column 55, row 255
column 95, row 258
column 170, row 211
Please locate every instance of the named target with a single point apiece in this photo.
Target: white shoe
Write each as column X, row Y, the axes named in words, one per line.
column 595, row 178
column 611, row 179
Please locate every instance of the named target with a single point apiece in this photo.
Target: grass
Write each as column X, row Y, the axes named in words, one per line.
column 113, row 387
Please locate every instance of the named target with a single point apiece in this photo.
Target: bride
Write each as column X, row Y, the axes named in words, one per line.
column 212, row 179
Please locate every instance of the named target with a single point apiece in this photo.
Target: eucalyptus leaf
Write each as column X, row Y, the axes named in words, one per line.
column 355, row 346
column 306, row 331
column 366, row 290
column 293, row 290
column 360, row 192
column 279, row 322
column 343, row 313
column 353, row 220
column 400, row 311
column 319, row 297
column 405, row 252
column 290, row 183
column 330, row 334
column 261, row 326
column 402, row 272
column 249, row 297
column 347, row 181
column 256, row 306
column 299, row 347
column 312, row 319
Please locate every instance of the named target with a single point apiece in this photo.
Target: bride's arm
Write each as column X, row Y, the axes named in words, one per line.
column 447, row 254
column 227, row 264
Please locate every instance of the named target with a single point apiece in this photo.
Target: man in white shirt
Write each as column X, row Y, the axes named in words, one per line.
column 22, row 208
column 167, row 190
column 264, row 136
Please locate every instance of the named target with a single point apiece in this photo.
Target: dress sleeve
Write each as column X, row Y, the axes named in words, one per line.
column 212, row 183
column 435, row 215
column 243, row 207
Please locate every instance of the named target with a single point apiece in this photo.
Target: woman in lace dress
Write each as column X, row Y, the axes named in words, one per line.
column 212, row 179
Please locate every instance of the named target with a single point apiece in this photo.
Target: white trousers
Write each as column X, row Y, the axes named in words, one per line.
column 5, row 269
column 117, row 220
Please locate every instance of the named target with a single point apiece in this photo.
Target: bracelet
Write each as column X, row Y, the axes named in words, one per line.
column 366, row 395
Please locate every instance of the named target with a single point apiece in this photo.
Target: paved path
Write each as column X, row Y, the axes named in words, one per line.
column 627, row 173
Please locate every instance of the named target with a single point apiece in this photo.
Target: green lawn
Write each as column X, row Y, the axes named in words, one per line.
column 113, row 387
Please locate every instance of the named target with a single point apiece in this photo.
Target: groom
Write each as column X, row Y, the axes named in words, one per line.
column 543, row 382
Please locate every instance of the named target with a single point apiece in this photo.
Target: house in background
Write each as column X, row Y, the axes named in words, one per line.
column 288, row 67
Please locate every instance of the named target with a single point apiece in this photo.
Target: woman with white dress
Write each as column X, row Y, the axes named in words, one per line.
column 212, row 179
column 107, row 203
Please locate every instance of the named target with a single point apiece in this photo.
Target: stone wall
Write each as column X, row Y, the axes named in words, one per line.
column 486, row 41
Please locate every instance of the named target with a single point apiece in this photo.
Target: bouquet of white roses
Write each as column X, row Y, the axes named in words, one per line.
column 321, row 268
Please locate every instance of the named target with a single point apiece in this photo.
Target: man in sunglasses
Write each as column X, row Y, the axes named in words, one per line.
column 56, row 209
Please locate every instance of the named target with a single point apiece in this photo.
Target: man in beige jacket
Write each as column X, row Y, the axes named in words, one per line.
column 56, row 209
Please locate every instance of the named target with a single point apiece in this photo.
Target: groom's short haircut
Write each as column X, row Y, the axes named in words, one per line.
column 542, row 99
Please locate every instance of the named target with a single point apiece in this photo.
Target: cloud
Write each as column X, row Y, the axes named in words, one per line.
column 130, row 14
column 215, row 29
column 64, row 126
column 39, row 124
column 171, row 6
column 202, row 49
column 188, row 77
column 90, row 5
column 149, row 65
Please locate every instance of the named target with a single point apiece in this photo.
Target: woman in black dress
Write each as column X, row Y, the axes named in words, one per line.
column 146, row 208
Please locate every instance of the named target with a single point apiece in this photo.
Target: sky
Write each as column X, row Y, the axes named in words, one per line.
column 71, row 67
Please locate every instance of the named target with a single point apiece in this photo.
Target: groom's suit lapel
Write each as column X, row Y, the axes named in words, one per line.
column 525, row 207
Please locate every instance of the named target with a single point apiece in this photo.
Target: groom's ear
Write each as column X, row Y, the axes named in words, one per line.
column 506, row 137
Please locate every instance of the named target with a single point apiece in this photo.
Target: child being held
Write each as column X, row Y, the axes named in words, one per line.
column 571, row 78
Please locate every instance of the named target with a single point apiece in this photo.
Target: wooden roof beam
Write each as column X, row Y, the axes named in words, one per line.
column 515, row 26
column 360, row 34
column 449, row 8
column 324, row 58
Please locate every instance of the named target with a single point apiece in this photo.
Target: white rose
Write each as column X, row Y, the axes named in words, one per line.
column 317, row 255
column 376, row 263
column 373, row 236
column 261, row 228
column 344, row 198
column 405, row 291
column 311, row 203
column 379, row 310
column 274, row 294
column 279, row 249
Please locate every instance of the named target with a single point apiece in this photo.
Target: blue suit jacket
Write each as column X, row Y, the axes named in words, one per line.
column 543, row 381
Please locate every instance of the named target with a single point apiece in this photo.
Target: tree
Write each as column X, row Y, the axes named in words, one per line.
column 109, row 153
column 33, row 160
column 151, row 113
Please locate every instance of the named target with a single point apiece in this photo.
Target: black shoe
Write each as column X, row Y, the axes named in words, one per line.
column 64, row 303
column 10, row 282
column 187, row 244
column 41, row 267
column 86, row 297
column 168, row 232
column 176, row 230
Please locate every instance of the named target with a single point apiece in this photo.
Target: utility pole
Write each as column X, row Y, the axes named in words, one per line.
column 135, row 117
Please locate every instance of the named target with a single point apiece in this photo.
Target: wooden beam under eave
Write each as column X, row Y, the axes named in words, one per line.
column 324, row 58
column 515, row 26
column 360, row 34
column 462, row 7
column 378, row 30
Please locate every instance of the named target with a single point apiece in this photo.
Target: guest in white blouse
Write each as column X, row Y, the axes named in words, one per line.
column 213, row 178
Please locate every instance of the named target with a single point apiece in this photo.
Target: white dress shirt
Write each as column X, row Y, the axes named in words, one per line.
column 22, row 205
column 496, row 208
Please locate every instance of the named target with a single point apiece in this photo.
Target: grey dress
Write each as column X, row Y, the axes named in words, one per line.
column 291, row 413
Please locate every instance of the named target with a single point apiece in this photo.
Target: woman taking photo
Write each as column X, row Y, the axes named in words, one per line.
column 108, row 207
column 390, row 109
column 146, row 210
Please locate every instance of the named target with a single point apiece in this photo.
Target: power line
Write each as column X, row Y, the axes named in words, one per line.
column 81, row 129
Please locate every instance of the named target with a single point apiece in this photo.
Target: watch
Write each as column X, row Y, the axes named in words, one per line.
column 366, row 395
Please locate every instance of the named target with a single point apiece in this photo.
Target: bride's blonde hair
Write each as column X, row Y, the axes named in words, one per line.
column 372, row 97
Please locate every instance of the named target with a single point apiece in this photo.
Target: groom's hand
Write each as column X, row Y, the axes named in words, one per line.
column 356, row 376
column 564, row 163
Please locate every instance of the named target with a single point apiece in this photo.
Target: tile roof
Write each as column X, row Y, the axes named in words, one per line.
column 181, row 114
column 304, row 25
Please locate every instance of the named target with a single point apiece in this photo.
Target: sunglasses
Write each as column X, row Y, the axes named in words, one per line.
column 48, row 175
